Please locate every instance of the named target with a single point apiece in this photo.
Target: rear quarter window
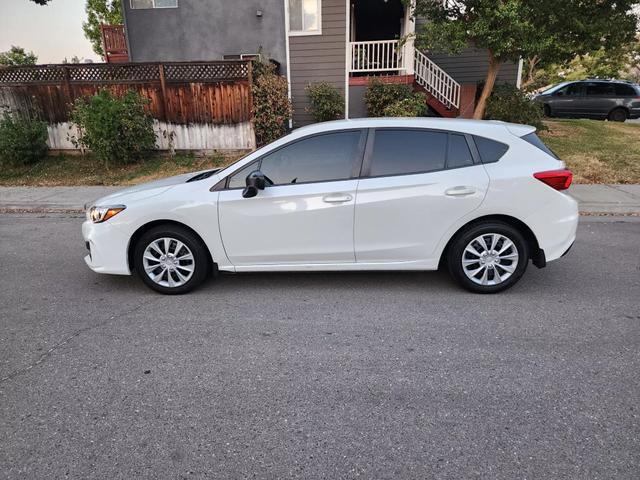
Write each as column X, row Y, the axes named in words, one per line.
column 490, row 150
column 534, row 140
column 625, row 90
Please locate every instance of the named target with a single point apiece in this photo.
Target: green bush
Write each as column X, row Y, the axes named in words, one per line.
column 327, row 103
column 23, row 140
column 382, row 95
column 271, row 106
column 509, row 104
column 413, row 106
column 116, row 130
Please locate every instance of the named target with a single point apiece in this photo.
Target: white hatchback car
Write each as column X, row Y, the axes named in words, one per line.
column 482, row 198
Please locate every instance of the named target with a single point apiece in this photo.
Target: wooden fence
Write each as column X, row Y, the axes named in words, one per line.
column 194, row 95
column 211, row 92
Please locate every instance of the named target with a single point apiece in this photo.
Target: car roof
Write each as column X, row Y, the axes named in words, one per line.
column 461, row 125
column 606, row 80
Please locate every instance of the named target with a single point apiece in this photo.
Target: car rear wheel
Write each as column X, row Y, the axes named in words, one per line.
column 171, row 260
column 618, row 115
column 488, row 257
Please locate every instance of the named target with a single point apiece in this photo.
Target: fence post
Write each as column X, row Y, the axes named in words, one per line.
column 250, row 79
column 163, row 91
column 66, row 85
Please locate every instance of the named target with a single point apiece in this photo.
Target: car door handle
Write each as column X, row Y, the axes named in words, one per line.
column 337, row 198
column 460, row 191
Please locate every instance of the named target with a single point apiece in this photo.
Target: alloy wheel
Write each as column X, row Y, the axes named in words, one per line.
column 490, row 259
column 168, row 262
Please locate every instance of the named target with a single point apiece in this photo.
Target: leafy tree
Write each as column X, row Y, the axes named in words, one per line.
column 514, row 29
column 601, row 63
column 17, row 56
column 108, row 12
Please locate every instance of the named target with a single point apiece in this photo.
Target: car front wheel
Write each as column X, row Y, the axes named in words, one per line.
column 171, row 260
column 488, row 257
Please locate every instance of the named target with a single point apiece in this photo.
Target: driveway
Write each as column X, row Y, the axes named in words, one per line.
column 351, row 375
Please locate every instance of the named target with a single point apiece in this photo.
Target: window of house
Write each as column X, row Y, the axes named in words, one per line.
column 139, row 4
column 402, row 152
column 305, row 17
column 321, row 158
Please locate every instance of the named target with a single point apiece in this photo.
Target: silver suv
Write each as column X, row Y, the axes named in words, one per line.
column 602, row 99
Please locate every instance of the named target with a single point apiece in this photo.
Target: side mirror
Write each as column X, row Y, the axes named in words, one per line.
column 255, row 181
column 559, row 94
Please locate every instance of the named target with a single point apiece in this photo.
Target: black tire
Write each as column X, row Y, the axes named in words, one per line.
column 201, row 263
column 547, row 111
column 456, row 254
column 617, row 115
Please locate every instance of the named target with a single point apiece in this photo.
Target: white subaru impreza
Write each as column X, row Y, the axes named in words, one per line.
column 481, row 198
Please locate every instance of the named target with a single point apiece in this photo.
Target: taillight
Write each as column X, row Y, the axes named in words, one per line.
column 558, row 179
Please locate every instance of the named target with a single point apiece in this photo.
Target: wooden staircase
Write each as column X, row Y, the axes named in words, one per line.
column 443, row 92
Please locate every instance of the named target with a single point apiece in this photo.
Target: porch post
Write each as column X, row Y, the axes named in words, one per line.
column 408, row 52
column 347, row 53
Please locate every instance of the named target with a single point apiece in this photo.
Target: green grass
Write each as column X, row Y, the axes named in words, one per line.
column 63, row 170
column 596, row 151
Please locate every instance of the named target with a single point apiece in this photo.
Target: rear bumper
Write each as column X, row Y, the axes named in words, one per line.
column 555, row 233
column 107, row 247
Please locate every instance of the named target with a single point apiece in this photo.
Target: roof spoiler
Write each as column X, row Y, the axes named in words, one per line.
column 520, row 130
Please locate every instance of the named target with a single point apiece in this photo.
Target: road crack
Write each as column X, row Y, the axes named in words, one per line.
column 42, row 358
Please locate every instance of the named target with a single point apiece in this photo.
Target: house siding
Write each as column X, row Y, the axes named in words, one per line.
column 316, row 58
column 206, row 30
column 471, row 66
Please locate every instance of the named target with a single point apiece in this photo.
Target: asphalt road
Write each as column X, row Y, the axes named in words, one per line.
column 337, row 376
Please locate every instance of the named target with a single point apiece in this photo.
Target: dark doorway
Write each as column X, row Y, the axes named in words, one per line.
column 377, row 20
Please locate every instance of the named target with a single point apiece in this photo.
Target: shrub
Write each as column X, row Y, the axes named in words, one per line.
column 509, row 104
column 381, row 95
column 327, row 103
column 413, row 106
column 23, row 140
column 116, row 130
column 271, row 106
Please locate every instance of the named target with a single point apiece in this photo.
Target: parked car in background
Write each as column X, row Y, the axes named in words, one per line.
column 614, row 100
column 482, row 198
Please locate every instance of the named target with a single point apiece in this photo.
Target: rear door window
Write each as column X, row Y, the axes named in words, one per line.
column 403, row 152
column 600, row 90
column 458, row 154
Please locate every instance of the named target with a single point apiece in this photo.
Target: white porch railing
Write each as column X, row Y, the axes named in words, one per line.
column 436, row 81
column 377, row 56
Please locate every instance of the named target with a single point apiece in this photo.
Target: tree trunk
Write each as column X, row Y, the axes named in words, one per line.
column 489, row 82
column 532, row 63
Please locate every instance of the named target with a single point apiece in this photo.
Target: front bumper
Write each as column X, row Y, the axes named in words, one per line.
column 107, row 246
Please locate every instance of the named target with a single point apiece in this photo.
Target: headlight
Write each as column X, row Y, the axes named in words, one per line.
column 102, row 214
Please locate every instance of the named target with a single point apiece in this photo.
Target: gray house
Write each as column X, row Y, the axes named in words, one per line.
column 343, row 42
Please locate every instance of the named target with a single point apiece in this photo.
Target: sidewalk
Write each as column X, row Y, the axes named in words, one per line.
column 593, row 199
